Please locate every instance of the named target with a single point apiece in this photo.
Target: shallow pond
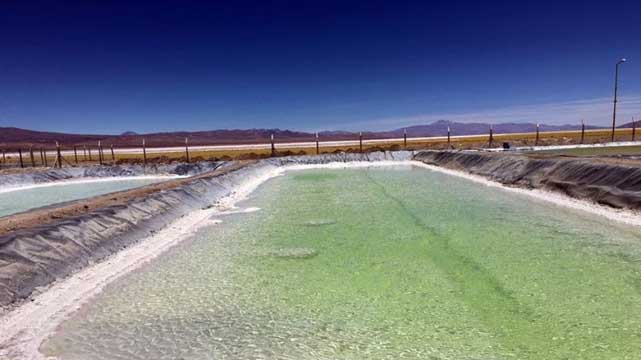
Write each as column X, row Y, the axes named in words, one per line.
column 379, row 263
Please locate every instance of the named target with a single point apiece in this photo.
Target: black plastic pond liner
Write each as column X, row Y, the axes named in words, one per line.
column 610, row 184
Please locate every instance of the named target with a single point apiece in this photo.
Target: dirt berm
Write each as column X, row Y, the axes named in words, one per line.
column 607, row 181
column 39, row 247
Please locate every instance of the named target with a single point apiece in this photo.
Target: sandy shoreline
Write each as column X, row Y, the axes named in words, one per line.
column 25, row 328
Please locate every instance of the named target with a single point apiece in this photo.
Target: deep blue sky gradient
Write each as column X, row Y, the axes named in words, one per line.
column 108, row 67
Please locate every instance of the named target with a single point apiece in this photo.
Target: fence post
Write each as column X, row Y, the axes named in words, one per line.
column 33, row 162
column 273, row 146
column 99, row 152
column 102, row 153
column 144, row 153
column 582, row 130
column 20, row 155
column 491, row 135
column 58, row 155
column 405, row 138
column 634, row 128
column 449, row 146
column 317, row 147
column 44, row 156
column 75, row 154
column 113, row 156
column 536, row 141
column 187, row 149
column 360, row 141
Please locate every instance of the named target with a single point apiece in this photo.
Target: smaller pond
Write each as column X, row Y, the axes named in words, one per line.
column 19, row 200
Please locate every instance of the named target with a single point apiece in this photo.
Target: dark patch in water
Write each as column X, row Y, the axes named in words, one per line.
column 315, row 223
column 295, row 253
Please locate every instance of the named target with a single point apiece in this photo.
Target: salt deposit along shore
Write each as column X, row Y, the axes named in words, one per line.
column 24, row 327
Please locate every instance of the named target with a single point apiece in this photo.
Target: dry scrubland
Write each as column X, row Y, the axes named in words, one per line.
column 466, row 142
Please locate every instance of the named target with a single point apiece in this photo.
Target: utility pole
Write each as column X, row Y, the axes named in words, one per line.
column 616, row 86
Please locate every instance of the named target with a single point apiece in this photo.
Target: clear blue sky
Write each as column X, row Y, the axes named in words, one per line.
column 86, row 66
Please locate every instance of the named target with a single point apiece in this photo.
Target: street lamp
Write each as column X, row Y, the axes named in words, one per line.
column 616, row 82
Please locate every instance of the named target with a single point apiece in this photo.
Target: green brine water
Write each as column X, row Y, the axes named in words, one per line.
column 377, row 263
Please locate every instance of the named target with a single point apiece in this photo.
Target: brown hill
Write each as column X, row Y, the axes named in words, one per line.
column 12, row 137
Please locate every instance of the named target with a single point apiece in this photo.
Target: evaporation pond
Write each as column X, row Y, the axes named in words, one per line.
column 376, row 263
column 19, row 200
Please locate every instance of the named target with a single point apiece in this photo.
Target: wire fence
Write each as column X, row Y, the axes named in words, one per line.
column 60, row 155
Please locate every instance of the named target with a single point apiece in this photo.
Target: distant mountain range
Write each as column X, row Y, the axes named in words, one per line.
column 11, row 136
column 439, row 128
column 629, row 125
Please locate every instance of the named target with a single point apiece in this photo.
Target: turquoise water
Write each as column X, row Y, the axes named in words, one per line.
column 22, row 200
column 379, row 263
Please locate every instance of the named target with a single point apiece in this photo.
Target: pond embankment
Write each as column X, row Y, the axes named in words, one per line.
column 44, row 245
column 606, row 181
